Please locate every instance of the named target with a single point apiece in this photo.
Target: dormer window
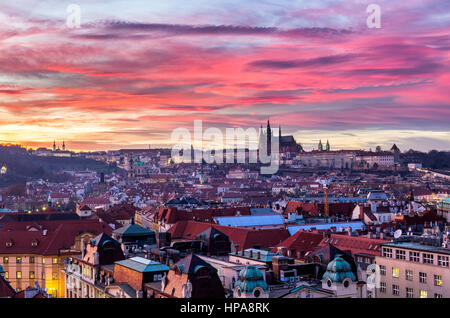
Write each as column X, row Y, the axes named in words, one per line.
column 9, row 243
column 34, row 243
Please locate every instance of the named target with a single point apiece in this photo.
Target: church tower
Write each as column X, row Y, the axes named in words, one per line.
column 327, row 147
column 320, row 148
column 269, row 138
column 54, row 145
column 63, row 146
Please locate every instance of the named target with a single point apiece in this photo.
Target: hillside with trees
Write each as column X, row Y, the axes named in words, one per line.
column 23, row 166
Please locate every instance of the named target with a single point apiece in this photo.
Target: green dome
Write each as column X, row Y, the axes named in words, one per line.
column 2, row 270
column 250, row 278
column 338, row 270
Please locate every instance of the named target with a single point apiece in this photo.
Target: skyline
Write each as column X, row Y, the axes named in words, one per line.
column 134, row 72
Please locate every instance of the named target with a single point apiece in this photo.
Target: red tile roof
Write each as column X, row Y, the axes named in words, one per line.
column 301, row 242
column 354, row 244
column 245, row 238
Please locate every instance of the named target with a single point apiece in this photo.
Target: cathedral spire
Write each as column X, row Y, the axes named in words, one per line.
column 320, row 145
column 327, row 146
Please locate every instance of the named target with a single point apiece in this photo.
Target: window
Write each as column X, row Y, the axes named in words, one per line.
column 55, row 260
column 409, row 292
column 43, row 260
column 414, row 257
column 32, row 275
column 387, row 252
column 369, row 294
column 18, row 260
column 382, row 287
column 359, row 259
column 443, row 261
column 437, row 295
column 400, row 254
column 423, row 278
column 31, row 259
column 395, row 290
column 43, row 275
column 409, row 274
column 423, row 294
column 6, row 275
column 437, row 280
column 55, row 276
column 18, row 275
column 5, row 260
column 395, row 272
column 427, row 258
column 382, row 270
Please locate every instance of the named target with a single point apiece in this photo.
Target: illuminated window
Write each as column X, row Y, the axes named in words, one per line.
column 423, row 278
column 423, row 294
column 32, row 275
column 438, row 280
column 55, row 260
column 5, row 260
column 6, row 275
column 43, row 260
column 19, row 260
column 18, row 275
column 43, row 275
column 395, row 272
column 409, row 274
column 55, row 276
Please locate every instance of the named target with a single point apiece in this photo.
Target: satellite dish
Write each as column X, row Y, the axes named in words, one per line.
column 397, row 234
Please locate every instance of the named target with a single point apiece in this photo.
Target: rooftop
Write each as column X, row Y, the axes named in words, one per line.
column 143, row 265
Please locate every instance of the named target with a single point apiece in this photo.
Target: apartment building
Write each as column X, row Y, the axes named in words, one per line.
column 411, row 269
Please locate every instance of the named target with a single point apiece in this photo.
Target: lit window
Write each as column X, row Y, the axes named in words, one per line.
column 19, row 260
column 5, row 260
column 6, row 275
column 55, row 260
column 438, row 280
column 19, row 275
column 43, row 260
column 395, row 272
column 423, row 294
column 55, row 276
column 32, row 275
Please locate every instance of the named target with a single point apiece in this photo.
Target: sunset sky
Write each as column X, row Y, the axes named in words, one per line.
column 136, row 70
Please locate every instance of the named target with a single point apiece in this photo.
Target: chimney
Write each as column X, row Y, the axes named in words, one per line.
column 251, row 254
